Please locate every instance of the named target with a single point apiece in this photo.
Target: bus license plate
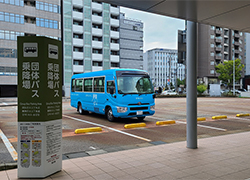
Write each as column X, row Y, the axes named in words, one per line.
column 139, row 112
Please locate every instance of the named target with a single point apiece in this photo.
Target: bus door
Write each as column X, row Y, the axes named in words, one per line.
column 98, row 98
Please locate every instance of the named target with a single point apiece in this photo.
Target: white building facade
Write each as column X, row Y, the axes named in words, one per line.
column 94, row 39
column 163, row 67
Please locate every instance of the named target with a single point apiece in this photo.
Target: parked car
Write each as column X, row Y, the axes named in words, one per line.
column 169, row 92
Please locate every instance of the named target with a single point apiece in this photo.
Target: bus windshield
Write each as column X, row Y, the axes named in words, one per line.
column 131, row 84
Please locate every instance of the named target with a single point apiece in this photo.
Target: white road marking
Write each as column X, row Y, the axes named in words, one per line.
column 91, row 147
column 241, row 118
column 128, row 134
column 8, row 145
column 182, row 122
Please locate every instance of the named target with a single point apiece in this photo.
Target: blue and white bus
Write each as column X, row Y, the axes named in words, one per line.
column 116, row 93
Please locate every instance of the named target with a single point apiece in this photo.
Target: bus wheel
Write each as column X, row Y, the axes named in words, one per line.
column 140, row 118
column 80, row 110
column 109, row 114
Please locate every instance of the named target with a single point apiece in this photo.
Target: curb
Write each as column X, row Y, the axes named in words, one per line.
column 201, row 119
column 220, row 117
column 165, row 122
column 86, row 130
column 8, row 166
column 136, row 125
column 239, row 115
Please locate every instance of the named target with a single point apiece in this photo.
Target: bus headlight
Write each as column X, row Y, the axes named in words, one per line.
column 152, row 108
column 122, row 109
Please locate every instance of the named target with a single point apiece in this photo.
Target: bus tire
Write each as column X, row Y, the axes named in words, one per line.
column 141, row 118
column 109, row 115
column 80, row 110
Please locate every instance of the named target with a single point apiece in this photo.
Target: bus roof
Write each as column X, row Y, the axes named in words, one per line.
column 101, row 73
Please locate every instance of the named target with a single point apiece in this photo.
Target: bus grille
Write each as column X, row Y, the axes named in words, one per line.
column 138, row 108
column 137, row 104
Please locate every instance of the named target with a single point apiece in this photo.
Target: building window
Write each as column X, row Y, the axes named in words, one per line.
column 114, row 64
column 211, row 71
column 78, row 62
column 96, row 63
column 212, row 63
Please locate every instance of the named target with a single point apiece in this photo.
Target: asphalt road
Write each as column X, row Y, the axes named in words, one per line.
column 115, row 137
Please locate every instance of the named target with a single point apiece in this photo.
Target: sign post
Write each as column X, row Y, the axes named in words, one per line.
column 39, row 107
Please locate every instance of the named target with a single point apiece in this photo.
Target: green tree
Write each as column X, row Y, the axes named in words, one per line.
column 201, row 88
column 181, row 82
column 226, row 71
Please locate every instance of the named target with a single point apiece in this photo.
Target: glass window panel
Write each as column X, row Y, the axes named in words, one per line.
column 55, row 25
column 87, row 13
column 50, row 24
column 21, row 3
column 1, row 34
column 17, row 18
column 6, row 1
column 42, row 22
column 46, row 23
column 37, row 4
column 22, row 19
column 12, row 35
column 79, row 85
column 1, row 1
column 105, row 6
column 88, row 85
column 12, row 18
column 50, row 8
column 7, row 35
column 55, row 9
column 12, row 2
column 99, row 84
column 37, row 21
column 46, row 6
column 1, row 16
column 87, row 52
column 87, row 3
column 41, row 6
column 6, row 17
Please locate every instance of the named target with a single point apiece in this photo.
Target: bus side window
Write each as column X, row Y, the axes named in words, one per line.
column 88, row 85
column 78, row 85
column 73, row 85
column 99, row 84
column 110, row 84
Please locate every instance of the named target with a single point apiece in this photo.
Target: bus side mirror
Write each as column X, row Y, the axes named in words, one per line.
column 111, row 90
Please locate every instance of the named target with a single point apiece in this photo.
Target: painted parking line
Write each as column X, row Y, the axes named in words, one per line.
column 199, row 125
column 8, row 145
column 112, row 129
column 245, row 119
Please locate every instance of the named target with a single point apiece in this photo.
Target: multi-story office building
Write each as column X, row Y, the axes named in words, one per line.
column 131, row 43
column 215, row 46
column 163, row 67
column 97, row 37
column 23, row 18
column 247, row 65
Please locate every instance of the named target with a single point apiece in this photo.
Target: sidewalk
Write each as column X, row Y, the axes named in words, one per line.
column 222, row 157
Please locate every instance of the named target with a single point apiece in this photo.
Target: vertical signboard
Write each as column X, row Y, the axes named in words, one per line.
column 39, row 107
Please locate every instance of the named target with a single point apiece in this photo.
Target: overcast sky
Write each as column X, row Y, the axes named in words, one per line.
column 159, row 31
